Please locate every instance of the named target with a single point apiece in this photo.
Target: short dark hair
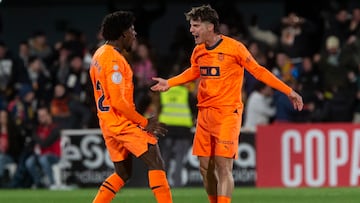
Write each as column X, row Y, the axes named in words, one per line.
column 116, row 23
column 204, row 13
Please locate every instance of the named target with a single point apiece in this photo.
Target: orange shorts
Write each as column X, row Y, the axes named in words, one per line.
column 217, row 132
column 131, row 139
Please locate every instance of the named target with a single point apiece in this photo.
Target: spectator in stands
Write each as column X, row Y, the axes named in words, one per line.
column 354, row 25
column 78, row 90
column 47, row 149
column 38, row 77
column 296, row 36
column 144, row 69
column 60, row 67
column 77, row 78
column 22, row 109
column 259, row 34
column 258, row 108
column 284, row 67
column 337, row 24
column 59, row 106
column 39, row 47
column 331, row 67
column 339, row 107
column 24, row 52
column 9, row 70
column 10, row 145
column 284, row 109
column 256, row 49
column 64, row 108
column 310, row 86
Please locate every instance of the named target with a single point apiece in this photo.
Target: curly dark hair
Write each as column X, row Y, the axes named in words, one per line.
column 206, row 14
column 116, row 23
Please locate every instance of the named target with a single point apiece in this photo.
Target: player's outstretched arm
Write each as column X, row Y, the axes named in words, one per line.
column 161, row 85
column 296, row 100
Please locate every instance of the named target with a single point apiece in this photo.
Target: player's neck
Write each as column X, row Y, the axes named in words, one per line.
column 213, row 39
column 115, row 44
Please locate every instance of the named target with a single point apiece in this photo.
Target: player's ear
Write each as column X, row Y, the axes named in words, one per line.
column 210, row 26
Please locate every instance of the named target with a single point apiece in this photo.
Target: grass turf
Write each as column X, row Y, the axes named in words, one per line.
column 188, row 195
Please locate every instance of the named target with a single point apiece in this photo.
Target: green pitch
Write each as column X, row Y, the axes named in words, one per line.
column 188, row 195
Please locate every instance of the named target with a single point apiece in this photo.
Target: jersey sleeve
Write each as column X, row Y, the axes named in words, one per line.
column 188, row 75
column 259, row 72
column 117, row 86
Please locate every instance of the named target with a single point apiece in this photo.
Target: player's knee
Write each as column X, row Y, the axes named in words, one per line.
column 157, row 164
column 124, row 176
column 203, row 170
column 224, row 171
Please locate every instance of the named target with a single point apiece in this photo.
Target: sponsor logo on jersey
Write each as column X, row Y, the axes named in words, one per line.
column 209, row 71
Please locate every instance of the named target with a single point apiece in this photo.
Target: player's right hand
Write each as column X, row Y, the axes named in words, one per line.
column 161, row 85
column 155, row 127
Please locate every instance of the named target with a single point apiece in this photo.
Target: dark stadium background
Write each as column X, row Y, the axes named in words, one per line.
column 20, row 18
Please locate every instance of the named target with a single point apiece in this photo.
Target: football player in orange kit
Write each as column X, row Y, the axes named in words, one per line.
column 219, row 62
column 125, row 131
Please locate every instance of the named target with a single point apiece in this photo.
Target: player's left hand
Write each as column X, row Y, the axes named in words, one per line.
column 155, row 127
column 296, row 100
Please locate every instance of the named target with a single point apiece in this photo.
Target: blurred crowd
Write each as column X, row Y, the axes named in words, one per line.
column 321, row 62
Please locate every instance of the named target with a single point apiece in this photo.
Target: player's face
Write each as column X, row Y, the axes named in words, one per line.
column 129, row 38
column 200, row 30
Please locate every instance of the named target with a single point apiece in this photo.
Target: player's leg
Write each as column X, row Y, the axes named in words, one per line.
column 225, row 146
column 122, row 162
column 115, row 181
column 202, row 147
column 225, row 185
column 157, row 176
column 207, row 171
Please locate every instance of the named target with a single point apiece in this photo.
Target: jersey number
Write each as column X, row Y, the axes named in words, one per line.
column 101, row 99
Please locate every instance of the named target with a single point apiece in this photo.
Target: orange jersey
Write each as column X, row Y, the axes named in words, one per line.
column 112, row 80
column 221, row 72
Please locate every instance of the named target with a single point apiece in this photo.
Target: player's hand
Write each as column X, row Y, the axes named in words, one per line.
column 296, row 100
column 161, row 85
column 155, row 127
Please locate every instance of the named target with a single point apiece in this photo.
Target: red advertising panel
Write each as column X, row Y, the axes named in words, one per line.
column 308, row 155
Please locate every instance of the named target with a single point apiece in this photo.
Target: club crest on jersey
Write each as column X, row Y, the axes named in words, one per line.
column 221, row 56
column 209, row 71
column 116, row 77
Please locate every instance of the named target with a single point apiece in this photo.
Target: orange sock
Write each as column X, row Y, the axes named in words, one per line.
column 223, row 199
column 160, row 186
column 108, row 189
column 212, row 198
